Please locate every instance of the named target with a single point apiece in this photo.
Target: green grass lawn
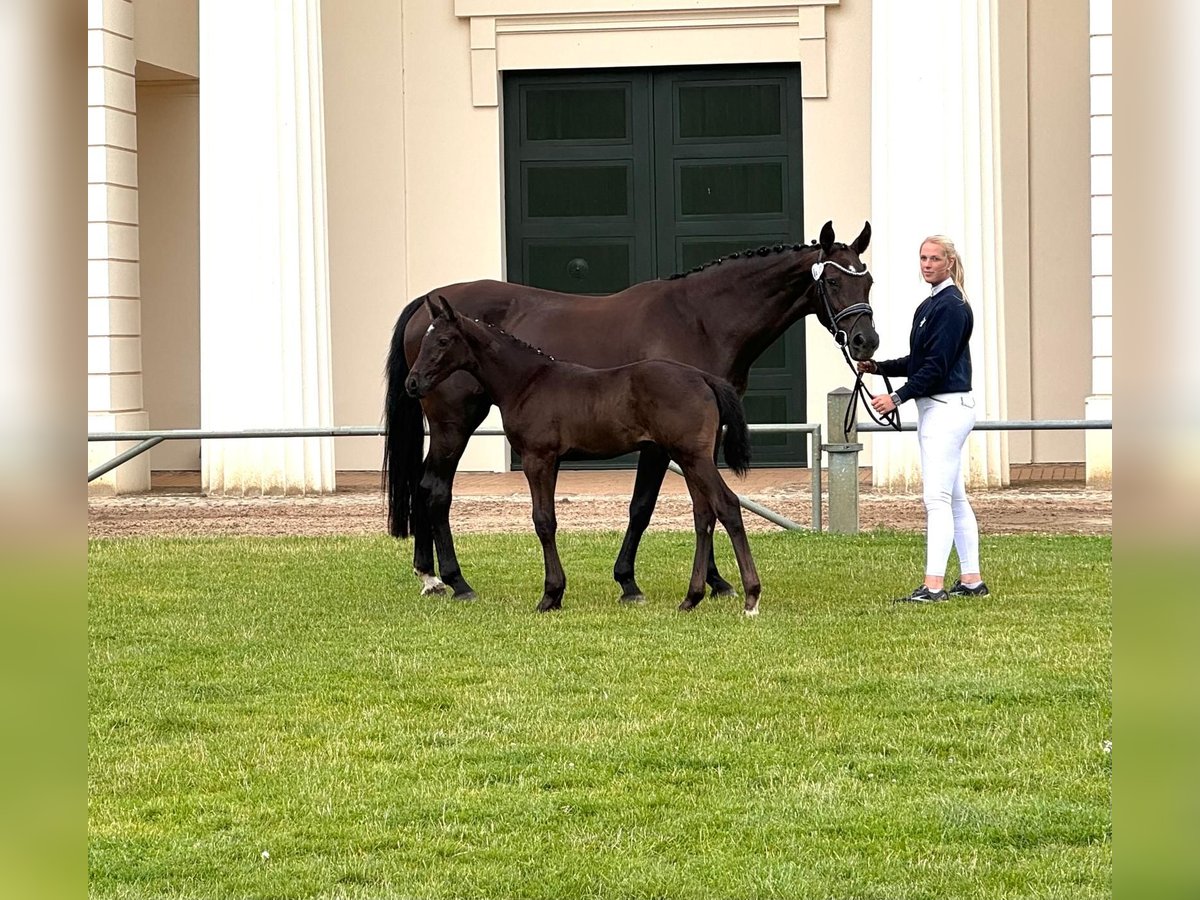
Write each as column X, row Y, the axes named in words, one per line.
column 288, row 718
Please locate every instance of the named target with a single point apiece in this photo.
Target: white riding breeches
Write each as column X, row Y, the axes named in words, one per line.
column 943, row 423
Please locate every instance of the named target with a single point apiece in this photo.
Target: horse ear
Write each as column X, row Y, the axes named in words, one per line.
column 446, row 309
column 827, row 237
column 863, row 240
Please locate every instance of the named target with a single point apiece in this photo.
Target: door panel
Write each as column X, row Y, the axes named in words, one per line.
column 709, row 110
column 555, row 190
column 580, row 266
column 577, row 168
column 728, row 188
column 577, row 112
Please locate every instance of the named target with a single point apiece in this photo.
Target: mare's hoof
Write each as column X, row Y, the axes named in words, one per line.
column 633, row 599
column 688, row 604
column 751, row 610
column 466, row 595
column 728, row 592
column 430, row 583
column 549, row 604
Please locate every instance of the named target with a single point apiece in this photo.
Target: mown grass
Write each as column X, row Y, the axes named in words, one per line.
column 296, row 696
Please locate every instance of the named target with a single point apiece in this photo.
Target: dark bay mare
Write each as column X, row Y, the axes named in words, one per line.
column 553, row 408
column 719, row 318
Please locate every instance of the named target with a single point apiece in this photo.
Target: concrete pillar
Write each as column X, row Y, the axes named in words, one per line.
column 1097, row 442
column 935, row 170
column 115, row 400
column 842, row 453
column 264, row 286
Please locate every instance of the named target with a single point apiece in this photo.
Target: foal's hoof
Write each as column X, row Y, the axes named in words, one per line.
column 466, row 595
column 633, row 599
column 549, row 604
column 751, row 608
column 689, row 604
column 724, row 590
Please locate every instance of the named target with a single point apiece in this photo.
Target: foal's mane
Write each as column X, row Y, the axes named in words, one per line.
column 513, row 339
column 752, row 252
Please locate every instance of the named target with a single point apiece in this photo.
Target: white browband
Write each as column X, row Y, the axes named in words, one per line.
column 819, row 267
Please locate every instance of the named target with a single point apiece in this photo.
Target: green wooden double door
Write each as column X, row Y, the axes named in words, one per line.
column 618, row 176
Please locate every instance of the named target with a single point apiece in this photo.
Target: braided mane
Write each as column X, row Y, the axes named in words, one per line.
column 747, row 254
column 513, row 338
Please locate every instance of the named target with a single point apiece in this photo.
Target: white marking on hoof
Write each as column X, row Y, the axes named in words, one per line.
column 751, row 612
column 430, row 584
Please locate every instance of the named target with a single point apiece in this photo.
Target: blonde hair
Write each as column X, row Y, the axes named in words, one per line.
column 956, row 266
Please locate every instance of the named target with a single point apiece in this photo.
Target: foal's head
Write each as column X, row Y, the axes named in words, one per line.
column 444, row 350
column 843, row 287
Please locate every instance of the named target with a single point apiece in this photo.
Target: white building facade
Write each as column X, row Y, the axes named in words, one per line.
column 251, row 243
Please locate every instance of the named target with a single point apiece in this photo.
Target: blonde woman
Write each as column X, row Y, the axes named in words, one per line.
column 938, row 372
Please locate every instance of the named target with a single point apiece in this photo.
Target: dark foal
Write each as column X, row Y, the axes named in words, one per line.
column 720, row 317
column 551, row 409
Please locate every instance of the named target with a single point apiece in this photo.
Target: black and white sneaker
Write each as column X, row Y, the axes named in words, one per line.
column 969, row 590
column 923, row 595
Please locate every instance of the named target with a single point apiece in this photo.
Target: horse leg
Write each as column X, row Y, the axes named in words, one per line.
column 729, row 511
column 422, row 532
column 704, row 518
column 720, row 587
column 542, row 475
column 652, row 467
column 446, row 448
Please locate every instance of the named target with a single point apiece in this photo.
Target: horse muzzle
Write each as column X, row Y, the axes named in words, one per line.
column 416, row 386
column 863, row 343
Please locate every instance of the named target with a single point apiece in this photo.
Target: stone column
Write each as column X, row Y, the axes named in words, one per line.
column 264, row 286
column 114, row 308
column 935, row 170
column 1097, row 443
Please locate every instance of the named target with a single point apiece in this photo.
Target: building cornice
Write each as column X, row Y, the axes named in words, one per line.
column 507, row 35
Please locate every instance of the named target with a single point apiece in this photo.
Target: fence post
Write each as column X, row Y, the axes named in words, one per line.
column 843, row 452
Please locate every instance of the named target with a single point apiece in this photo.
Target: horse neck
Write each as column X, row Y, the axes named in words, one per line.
column 753, row 301
column 503, row 366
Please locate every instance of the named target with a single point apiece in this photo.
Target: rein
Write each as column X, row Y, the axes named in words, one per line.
column 860, row 391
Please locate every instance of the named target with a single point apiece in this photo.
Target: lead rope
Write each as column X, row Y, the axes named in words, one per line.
column 860, row 392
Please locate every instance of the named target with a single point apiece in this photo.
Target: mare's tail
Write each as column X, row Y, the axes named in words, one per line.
column 404, row 433
column 733, row 417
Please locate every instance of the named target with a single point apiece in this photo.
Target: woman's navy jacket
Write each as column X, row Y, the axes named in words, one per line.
column 939, row 356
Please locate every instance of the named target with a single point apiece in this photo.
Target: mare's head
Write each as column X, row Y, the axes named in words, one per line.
column 444, row 350
column 843, row 287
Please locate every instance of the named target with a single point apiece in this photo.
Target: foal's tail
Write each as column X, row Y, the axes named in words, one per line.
column 733, row 417
column 404, row 433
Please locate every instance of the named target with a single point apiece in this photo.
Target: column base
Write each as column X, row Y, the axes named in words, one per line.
column 1098, row 466
column 132, row 476
column 267, row 467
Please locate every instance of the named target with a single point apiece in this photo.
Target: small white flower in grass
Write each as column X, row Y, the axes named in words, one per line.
column 266, row 854
column 1106, row 746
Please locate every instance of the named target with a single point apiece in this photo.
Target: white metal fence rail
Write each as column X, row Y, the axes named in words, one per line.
column 847, row 453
